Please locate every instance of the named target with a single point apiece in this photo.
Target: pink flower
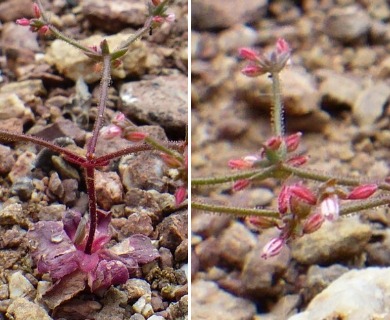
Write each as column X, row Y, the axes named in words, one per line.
column 136, row 136
column 330, row 208
column 110, row 132
column 243, row 163
column 362, row 192
column 273, row 247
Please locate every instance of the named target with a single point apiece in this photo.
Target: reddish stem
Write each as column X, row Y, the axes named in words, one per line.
column 90, row 181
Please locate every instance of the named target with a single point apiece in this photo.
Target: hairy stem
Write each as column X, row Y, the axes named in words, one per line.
column 90, row 181
column 259, row 174
column 104, row 84
column 235, row 211
column 277, row 107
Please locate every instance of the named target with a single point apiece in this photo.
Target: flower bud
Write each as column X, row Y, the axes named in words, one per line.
column 303, row 194
column 273, row 143
column 170, row 160
column 180, row 195
column 156, row 2
column 284, row 199
column 260, row 222
column 362, row 192
column 252, row 71
column 297, row 161
column 282, row 46
column 23, row 22
column 239, row 164
column 135, row 136
column 313, row 223
column 273, row 248
column 248, row 54
column 292, row 141
column 241, row 184
column 37, row 12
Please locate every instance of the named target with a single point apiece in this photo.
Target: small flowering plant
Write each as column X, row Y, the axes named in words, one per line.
column 301, row 208
column 78, row 246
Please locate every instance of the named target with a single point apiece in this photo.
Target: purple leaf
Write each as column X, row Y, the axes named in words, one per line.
column 137, row 247
column 107, row 273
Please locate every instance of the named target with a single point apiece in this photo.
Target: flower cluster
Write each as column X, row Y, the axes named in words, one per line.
column 58, row 249
column 271, row 62
column 35, row 24
column 302, row 211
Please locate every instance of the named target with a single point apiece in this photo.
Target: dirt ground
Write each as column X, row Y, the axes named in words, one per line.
column 49, row 91
column 345, row 130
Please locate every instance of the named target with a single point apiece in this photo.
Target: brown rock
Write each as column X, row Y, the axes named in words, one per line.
column 22, row 167
column 108, row 189
column 144, row 171
column 21, row 309
column 173, row 230
column 181, row 252
column 235, row 243
column 262, row 277
column 136, row 223
column 62, row 128
column 15, row 9
column 7, row 160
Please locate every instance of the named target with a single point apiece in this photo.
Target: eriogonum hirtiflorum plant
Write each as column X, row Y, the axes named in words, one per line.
column 79, row 243
column 302, row 207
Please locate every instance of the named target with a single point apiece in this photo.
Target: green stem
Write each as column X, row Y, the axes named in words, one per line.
column 363, row 205
column 235, row 211
column 277, row 107
column 158, row 146
column 260, row 175
column 312, row 175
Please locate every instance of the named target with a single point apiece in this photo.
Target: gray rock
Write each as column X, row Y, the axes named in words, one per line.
column 236, row 37
column 19, row 286
column 235, row 243
column 370, row 103
column 22, row 309
column 347, row 23
column 225, row 13
column 357, row 294
column 337, row 89
column 113, row 16
column 342, row 239
column 318, row 278
column 208, row 302
column 161, row 101
column 25, row 90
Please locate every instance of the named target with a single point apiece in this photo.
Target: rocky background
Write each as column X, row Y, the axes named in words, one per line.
column 336, row 91
column 49, row 89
